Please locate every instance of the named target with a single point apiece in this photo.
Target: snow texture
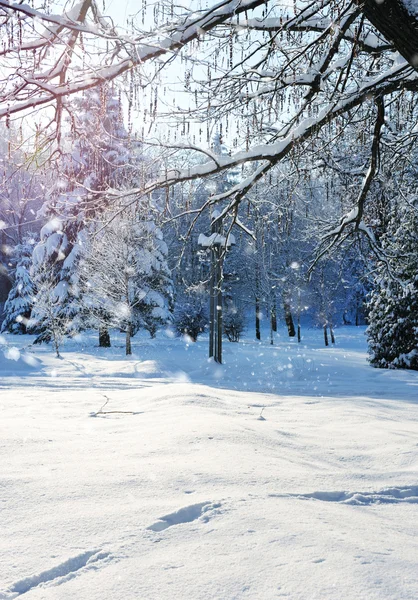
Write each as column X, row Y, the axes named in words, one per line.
column 178, row 490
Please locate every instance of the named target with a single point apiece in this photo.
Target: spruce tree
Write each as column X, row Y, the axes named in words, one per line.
column 393, row 307
column 125, row 277
column 19, row 303
column 51, row 290
column 102, row 157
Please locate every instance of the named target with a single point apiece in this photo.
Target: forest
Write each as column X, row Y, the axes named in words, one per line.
column 295, row 124
column 209, row 299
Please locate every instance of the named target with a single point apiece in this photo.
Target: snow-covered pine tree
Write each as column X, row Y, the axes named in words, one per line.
column 393, row 307
column 102, row 157
column 18, row 306
column 126, row 277
column 51, row 290
column 154, row 310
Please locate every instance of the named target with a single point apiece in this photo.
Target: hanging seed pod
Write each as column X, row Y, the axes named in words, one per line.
column 155, row 101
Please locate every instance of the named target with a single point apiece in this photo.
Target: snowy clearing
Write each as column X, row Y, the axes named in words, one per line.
column 289, row 472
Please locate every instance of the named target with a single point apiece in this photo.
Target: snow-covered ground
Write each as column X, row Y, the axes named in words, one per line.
column 289, row 472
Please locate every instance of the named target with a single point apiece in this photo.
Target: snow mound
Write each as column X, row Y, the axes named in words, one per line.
column 17, row 362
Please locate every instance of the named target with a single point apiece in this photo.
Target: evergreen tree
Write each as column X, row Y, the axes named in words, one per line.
column 51, row 290
column 19, row 302
column 393, row 307
column 154, row 310
column 126, row 277
column 102, row 157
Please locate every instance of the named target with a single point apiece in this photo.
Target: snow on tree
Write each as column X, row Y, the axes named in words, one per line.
column 125, row 276
column 266, row 102
column 101, row 157
column 289, row 87
column 19, row 303
column 393, row 306
column 51, row 290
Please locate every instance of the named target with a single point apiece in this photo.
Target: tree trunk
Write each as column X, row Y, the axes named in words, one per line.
column 332, row 335
column 395, row 23
column 219, row 310
column 273, row 317
column 289, row 319
column 212, row 293
column 104, row 337
column 326, row 336
column 128, row 347
column 257, row 297
column 56, row 345
column 257, row 319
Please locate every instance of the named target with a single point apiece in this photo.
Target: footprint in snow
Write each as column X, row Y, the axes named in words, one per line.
column 87, row 561
column 187, row 514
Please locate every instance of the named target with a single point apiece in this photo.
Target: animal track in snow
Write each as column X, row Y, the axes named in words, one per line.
column 187, row 514
column 388, row 496
column 87, row 561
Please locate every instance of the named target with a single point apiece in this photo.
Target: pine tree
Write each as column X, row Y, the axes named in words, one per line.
column 18, row 306
column 393, row 307
column 126, row 279
column 154, row 310
column 51, row 290
column 102, row 157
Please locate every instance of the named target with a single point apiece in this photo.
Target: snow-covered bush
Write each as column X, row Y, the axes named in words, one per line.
column 233, row 323
column 191, row 316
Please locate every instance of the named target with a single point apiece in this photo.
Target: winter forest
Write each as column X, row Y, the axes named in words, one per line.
column 209, row 299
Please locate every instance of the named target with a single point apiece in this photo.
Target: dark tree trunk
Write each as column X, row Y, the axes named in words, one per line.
column 289, row 319
column 104, row 337
column 219, row 311
column 326, row 336
column 273, row 317
column 332, row 335
column 394, row 22
column 257, row 319
column 128, row 346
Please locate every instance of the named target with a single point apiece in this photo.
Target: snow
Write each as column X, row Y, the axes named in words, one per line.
column 216, row 239
column 177, row 489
